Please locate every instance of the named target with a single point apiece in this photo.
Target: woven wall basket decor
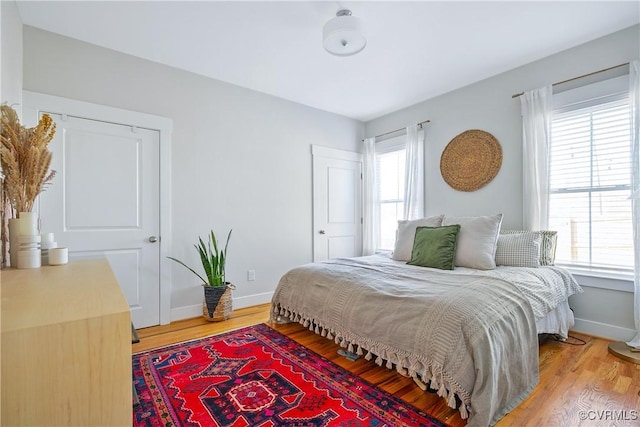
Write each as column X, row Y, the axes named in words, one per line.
column 471, row 160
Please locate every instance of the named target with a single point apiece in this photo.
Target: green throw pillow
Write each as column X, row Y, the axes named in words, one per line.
column 435, row 247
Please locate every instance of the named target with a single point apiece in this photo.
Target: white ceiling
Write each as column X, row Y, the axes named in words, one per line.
column 415, row 50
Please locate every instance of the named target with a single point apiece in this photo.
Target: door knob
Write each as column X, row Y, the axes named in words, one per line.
column 321, row 232
column 153, row 239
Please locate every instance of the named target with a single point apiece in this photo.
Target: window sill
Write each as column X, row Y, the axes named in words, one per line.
column 604, row 279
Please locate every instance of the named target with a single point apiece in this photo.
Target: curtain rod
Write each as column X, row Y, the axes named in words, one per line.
column 398, row 130
column 516, row 95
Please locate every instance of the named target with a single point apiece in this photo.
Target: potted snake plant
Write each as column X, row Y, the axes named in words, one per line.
column 213, row 259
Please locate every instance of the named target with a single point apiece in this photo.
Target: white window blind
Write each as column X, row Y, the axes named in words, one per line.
column 390, row 171
column 590, row 183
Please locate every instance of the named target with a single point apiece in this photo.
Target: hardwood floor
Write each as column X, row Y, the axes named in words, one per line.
column 580, row 385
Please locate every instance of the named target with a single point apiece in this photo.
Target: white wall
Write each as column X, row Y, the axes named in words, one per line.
column 488, row 105
column 11, row 55
column 240, row 159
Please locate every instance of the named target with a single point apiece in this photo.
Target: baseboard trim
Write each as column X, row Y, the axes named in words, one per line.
column 190, row 311
column 251, row 300
column 603, row 330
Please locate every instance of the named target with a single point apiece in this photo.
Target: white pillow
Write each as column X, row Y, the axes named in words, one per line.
column 477, row 240
column 406, row 234
column 519, row 249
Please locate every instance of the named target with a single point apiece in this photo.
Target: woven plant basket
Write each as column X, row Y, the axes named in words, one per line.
column 223, row 309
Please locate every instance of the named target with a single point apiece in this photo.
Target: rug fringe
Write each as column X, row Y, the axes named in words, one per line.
column 425, row 370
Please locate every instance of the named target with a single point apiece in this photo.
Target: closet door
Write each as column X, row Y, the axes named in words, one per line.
column 337, row 204
column 104, row 202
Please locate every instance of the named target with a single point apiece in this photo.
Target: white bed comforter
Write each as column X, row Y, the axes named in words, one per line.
column 471, row 334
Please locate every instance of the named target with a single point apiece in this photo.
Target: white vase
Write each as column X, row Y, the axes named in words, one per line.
column 29, row 258
column 14, row 241
column 28, row 223
column 45, row 246
column 47, row 237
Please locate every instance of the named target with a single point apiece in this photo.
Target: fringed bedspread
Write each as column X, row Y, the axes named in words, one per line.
column 468, row 335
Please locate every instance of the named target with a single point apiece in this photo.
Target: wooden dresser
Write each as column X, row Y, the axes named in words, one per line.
column 66, row 347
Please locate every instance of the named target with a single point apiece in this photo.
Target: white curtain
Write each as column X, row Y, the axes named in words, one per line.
column 414, row 174
column 370, row 221
column 634, row 103
column 536, row 132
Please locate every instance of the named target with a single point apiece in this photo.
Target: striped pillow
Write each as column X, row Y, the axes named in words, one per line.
column 548, row 241
column 519, row 249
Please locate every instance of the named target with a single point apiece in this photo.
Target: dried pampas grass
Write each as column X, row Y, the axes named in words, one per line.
column 25, row 159
column 25, row 162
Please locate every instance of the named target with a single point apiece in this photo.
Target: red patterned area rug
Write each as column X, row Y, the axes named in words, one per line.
column 256, row 376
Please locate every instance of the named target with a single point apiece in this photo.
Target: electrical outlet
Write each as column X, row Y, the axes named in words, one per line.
column 251, row 275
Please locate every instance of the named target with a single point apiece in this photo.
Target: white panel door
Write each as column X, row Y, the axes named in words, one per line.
column 104, row 201
column 337, row 204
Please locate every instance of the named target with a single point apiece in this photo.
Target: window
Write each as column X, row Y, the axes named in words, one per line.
column 390, row 167
column 590, row 183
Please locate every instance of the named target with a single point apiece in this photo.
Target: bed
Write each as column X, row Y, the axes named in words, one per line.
column 469, row 333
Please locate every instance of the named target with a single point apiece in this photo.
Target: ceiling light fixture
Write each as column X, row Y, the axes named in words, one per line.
column 342, row 35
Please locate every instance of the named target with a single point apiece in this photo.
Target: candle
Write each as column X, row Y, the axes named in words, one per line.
column 58, row 256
